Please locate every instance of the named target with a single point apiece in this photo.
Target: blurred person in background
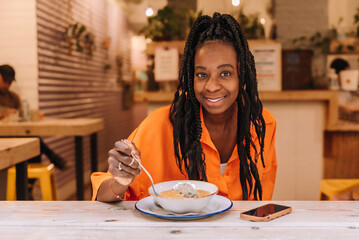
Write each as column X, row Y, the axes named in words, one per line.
column 9, row 101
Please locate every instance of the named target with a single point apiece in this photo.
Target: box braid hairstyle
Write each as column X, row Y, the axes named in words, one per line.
column 185, row 109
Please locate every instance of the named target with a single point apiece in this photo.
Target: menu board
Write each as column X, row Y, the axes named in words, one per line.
column 166, row 64
column 267, row 57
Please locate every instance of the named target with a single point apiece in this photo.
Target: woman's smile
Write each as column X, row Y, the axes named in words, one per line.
column 214, row 100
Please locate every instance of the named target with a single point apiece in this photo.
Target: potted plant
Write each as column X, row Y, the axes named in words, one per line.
column 297, row 62
column 164, row 26
column 250, row 24
column 349, row 42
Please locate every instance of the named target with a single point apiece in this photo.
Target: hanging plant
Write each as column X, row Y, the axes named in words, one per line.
column 356, row 22
column 90, row 43
column 107, row 43
column 73, row 36
column 107, row 66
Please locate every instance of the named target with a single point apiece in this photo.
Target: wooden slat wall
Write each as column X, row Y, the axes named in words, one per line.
column 77, row 85
column 341, row 155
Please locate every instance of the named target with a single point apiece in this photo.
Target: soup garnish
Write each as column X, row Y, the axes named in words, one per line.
column 186, row 189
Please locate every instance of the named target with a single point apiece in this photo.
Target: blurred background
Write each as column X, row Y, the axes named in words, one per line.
column 118, row 60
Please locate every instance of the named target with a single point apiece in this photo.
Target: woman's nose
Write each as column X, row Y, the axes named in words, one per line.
column 212, row 84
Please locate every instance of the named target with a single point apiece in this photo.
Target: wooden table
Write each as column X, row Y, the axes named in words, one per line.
column 78, row 127
column 96, row 220
column 16, row 152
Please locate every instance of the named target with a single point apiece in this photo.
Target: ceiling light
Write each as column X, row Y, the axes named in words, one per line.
column 149, row 12
column 236, row 2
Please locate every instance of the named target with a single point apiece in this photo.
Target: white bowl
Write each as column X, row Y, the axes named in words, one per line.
column 184, row 205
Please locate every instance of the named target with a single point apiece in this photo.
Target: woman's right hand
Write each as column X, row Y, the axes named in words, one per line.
column 121, row 165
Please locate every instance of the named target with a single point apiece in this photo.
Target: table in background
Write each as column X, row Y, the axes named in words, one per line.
column 16, row 152
column 96, row 220
column 77, row 127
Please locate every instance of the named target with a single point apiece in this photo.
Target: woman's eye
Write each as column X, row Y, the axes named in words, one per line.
column 225, row 74
column 201, row 75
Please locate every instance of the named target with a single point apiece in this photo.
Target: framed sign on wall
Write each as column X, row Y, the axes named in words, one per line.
column 166, row 64
column 268, row 60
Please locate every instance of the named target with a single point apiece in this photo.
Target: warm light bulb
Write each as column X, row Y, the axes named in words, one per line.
column 263, row 21
column 149, row 12
column 236, row 2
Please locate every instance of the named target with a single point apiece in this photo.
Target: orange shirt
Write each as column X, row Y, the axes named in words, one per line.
column 154, row 138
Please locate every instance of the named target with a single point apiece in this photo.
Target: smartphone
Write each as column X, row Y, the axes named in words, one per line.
column 266, row 212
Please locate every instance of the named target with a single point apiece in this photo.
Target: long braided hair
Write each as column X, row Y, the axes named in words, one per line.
column 185, row 108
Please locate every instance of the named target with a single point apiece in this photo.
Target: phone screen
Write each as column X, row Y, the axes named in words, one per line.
column 266, row 210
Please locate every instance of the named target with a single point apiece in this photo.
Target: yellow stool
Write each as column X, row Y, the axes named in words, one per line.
column 331, row 187
column 45, row 172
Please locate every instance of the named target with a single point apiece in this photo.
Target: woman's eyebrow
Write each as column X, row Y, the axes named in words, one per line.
column 200, row 68
column 225, row 65
column 220, row 66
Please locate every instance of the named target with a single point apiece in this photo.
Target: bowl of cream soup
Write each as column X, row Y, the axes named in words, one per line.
column 183, row 196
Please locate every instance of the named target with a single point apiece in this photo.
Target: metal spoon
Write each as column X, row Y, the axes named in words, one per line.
column 148, row 174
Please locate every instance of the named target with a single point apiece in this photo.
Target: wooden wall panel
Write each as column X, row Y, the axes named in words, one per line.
column 77, row 85
column 341, row 155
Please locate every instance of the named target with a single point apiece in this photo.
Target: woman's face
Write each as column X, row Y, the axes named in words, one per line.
column 216, row 80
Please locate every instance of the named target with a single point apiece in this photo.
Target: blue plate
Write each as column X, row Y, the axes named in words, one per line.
column 217, row 205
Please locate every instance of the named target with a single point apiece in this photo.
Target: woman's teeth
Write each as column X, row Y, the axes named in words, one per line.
column 215, row 100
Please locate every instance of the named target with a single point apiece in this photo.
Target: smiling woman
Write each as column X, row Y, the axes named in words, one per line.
column 216, row 119
column 216, row 79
